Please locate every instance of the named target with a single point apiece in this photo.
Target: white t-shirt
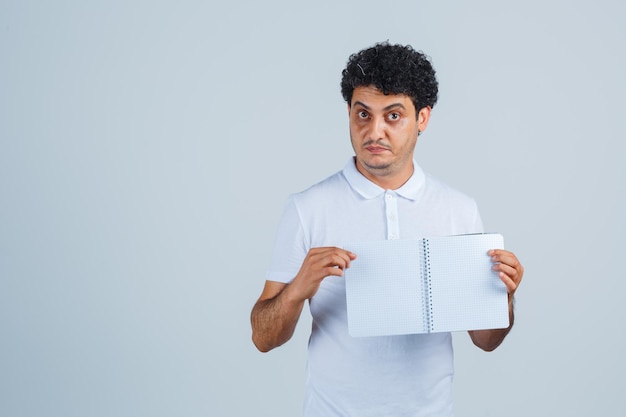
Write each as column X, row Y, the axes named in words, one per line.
column 409, row 375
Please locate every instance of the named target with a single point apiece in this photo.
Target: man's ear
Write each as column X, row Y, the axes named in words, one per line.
column 349, row 108
column 423, row 116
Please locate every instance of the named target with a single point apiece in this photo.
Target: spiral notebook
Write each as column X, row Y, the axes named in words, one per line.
column 435, row 284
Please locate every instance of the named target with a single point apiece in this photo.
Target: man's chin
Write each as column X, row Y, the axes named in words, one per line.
column 377, row 166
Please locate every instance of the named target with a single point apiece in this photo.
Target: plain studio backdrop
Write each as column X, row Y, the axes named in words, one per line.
column 147, row 148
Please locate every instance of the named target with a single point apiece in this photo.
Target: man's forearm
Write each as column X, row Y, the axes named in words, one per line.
column 274, row 320
column 489, row 340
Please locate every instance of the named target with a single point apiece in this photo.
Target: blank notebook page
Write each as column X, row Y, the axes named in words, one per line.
column 384, row 288
column 465, row 290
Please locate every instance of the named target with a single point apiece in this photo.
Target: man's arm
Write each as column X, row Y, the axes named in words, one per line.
column 510, row 271
column 274, row 316
column 276, row 313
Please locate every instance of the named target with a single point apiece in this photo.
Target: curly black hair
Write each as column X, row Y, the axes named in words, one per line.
column 392, row 69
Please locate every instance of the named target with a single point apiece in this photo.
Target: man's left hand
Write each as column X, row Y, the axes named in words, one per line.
column 509, row 269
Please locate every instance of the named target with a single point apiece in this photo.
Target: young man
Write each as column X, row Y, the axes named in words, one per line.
column 381, row 193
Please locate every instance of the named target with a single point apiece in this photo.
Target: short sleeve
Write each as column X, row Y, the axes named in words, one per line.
column 478, row 223
column 290, row 245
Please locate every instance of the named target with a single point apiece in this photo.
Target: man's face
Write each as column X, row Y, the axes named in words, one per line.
column 383, row 131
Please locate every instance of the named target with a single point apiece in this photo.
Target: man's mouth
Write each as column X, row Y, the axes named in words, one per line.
column 376, row 149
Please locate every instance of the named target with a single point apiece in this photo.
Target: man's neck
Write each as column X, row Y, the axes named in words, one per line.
column 390, row 181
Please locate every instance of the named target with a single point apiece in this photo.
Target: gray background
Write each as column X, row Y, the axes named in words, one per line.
column 147, row 148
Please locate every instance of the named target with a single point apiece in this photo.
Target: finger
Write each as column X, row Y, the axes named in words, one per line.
column 331, row 270
column 326, row 261
column 506, row 269
column 509, row 281
column 339, row 257
column 330, row 262
column 514, row 272
column 505, row 257
column 510, row 284
column 335, row 267
column 339, row 260
column 509, row 276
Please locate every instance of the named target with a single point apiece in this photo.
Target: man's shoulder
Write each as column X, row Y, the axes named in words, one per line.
column 436, row 187
column 325, row 187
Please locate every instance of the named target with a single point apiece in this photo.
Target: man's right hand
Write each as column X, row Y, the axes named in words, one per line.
column 319, row 264
column 276, row 313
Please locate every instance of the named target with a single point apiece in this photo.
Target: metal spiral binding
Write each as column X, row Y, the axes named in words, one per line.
column 428, row 291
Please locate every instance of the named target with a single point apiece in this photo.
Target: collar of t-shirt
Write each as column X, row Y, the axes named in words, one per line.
column 369, row 190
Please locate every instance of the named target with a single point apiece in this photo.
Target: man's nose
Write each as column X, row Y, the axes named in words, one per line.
column 377, row 128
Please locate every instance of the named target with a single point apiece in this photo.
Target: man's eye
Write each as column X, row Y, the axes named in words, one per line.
column 394, row 116
column 363, row 114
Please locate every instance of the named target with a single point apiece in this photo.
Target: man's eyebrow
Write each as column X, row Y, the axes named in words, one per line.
column 389, row 107
column 358, row 103
column 394, row 105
